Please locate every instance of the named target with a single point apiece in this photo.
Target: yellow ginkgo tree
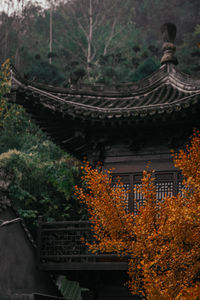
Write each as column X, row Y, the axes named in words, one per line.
column 162, row 239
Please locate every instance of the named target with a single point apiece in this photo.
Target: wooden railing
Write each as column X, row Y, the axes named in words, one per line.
column 60, row 247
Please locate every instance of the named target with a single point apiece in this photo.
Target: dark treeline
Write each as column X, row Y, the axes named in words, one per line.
column 98, row 40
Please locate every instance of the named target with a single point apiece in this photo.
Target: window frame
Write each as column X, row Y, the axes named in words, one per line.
column 161, row 177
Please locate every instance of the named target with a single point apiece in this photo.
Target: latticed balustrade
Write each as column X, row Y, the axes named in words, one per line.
column 61, row 245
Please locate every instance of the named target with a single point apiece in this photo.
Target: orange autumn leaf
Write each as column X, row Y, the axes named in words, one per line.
column 162, row 240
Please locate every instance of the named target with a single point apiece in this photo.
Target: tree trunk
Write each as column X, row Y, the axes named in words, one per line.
column 90, row 35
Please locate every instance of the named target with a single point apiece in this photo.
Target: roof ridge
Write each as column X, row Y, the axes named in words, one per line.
column 25, row 228
column 167, row 72
column 181, row 77
column 92, row 107
column 140, row 101
column 118, row 88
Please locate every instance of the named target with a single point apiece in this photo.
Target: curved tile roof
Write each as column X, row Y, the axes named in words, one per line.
column 165, row 91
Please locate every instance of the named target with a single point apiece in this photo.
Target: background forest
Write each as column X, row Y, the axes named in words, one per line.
column 96, row 40
column 41, row 176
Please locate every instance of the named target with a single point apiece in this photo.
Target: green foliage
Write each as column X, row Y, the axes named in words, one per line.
column 135, row 39
column 43, row 176
column 69, row 56
column 4, row 82
column 146, row 68
column 42, row 71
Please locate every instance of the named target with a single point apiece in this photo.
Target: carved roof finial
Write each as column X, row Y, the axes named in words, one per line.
column 169, row 33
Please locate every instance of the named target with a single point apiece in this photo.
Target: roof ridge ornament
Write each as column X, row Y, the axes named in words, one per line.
column 168, row 31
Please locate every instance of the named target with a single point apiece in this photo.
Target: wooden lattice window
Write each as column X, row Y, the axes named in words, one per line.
column 126, row 185
column 137, row 199
column 167, row 184
column 164, row 185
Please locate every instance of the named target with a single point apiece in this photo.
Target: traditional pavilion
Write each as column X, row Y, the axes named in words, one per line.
column 125, row 126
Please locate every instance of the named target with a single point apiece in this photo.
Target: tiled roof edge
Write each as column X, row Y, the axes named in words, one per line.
column 94, row 89
column 167, row 71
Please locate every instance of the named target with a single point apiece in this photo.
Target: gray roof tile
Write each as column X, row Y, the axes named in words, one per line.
column 164, row 91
